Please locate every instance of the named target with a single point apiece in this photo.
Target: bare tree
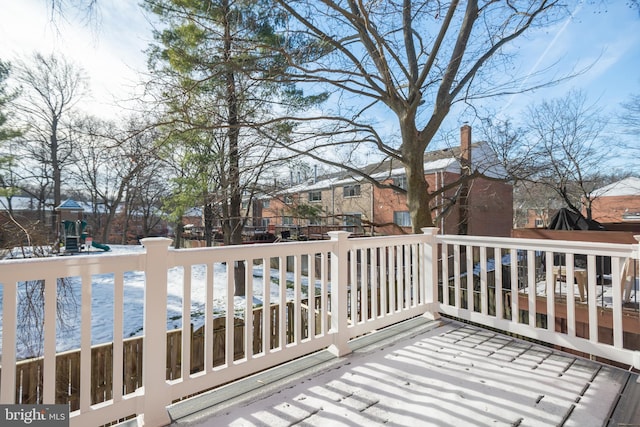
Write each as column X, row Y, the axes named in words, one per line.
column 630, row 120
column 144, row 199
column 407, row 60
column 556, row 158
column 50, row 87
column 59, row 9
column 107, row 162
column 568, row 152
column 31, row 314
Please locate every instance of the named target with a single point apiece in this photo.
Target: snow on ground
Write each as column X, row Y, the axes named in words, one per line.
column 604, row 292
column 68, row 333
column 604, row 296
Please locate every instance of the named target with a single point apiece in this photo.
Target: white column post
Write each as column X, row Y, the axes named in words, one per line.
column 9, row 338
column 636, row 356
column 154, row 351
column 429, row 277
column 339, row 294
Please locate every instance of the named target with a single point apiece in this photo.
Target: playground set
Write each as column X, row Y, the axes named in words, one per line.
column 74, row 237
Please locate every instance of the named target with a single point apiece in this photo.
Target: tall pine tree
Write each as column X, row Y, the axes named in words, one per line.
column 216, row 65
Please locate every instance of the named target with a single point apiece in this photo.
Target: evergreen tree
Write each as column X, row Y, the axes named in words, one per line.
column 6, row 131
column 218, row 74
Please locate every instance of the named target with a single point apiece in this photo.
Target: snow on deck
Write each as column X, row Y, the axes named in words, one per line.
column 454, row 374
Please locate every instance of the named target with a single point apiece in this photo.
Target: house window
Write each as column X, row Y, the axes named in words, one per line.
column 245, row 204
column 265, row 222
column 351, row 190
column 287, row 220
column 400, row 181
column 402, row 218
column 288, row 199
column 539, row 223
column 315, row 196
column 352, row 219
column 265, row 203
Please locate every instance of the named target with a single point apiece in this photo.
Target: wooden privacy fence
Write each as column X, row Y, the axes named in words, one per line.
column 29, row 372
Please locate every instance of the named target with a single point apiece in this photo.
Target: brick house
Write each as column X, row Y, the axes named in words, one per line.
column 483, row 207
column 618, row 202
column 334, row 202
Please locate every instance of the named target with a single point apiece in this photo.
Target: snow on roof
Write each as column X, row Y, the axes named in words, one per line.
column 429, row 167
column 193, row 212
column 626, row 187
column 19, row 203
column 482, row 156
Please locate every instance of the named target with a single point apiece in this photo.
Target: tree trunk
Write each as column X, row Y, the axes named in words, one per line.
column 107, row 223
column 588, row 209
column 233, row 134
column 177, row 241
column 208, row 224
column 57, row 175
column 418, row 197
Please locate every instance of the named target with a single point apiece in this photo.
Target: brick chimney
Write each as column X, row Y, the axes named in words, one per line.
column 465, row 148
column 465, row 169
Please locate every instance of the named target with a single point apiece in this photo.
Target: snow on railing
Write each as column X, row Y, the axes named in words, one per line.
column 319, row 294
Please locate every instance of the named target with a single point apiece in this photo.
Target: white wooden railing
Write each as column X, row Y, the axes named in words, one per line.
column 526, row 268
column 346, row 287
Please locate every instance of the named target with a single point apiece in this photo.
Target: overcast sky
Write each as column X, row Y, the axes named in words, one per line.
column 111, row 50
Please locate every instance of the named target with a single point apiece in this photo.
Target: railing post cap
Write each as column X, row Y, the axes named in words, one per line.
column 156, row 242
column 339, row 235
column 636, row 359
column 430, row 230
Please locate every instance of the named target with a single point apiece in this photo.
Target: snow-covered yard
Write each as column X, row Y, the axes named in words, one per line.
column 102, row 310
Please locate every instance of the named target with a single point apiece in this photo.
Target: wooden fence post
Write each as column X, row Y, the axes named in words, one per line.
column 429, row 278
column 154, row 349
column 339, row 293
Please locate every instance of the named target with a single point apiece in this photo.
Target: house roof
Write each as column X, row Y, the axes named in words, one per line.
column 70, row 205
column 445, row 160
column 626, row 187
column 20, row 203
